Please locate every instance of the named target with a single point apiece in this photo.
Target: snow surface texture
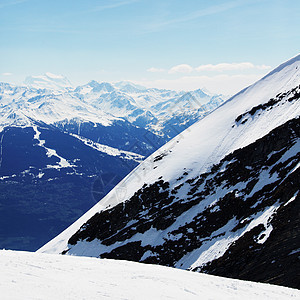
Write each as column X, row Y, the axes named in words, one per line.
column 31, row 276
column 202, row 145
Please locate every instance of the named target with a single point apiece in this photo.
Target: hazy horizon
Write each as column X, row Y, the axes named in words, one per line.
column 221, row 45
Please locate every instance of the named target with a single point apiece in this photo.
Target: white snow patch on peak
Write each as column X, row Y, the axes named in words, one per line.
column 126, row 84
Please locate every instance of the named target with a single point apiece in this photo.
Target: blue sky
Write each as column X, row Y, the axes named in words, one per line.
column 217, row 44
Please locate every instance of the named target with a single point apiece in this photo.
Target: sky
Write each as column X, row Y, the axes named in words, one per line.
column 219, row 45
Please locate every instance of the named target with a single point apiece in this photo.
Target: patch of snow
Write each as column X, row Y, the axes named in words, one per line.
column 40, row 175
column 94, row 248
column 265, row 234
column 7, row 177
column 291, row 200
column 63, row 163
column 110, row 150
column 147, row 254
column 215, row 246
column 295, row 251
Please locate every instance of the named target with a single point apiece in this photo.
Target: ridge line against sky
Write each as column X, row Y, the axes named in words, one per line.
column 221, row 45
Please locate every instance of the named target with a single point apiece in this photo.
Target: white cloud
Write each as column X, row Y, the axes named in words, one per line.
column 222, row 67
column 6, row 74
column 223, row 83
column 231, row 67
column 183, row 68
column 155, row 70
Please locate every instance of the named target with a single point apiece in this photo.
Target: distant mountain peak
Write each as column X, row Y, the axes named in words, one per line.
column 48, row 81
column 100, row 86
column 129, row 86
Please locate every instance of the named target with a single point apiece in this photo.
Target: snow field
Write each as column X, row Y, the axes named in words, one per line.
column 26, row 275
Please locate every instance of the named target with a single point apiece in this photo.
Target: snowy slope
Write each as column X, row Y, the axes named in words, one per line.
column 222, row 193
column 206, row 142
column 41, row 276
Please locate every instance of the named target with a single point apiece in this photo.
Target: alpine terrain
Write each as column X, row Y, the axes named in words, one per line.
column 220, row 198
column 62, row 148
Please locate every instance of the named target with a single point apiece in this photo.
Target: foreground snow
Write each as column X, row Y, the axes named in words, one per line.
column 26, row 275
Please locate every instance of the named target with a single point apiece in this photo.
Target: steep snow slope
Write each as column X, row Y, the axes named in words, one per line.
column 41, row 276
column 209, row 140
column 227, row 182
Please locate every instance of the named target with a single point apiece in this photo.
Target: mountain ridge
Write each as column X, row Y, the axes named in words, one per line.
column 182, row 183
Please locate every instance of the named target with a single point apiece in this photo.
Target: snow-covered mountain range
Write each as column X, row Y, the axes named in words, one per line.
column 103, row 103
column 63, row 148
column 222, row 197
column 153, row 109
column 27, row 275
